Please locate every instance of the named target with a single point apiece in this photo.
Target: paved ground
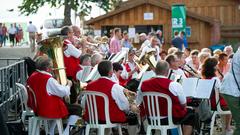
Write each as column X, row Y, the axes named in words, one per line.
column 14, row 52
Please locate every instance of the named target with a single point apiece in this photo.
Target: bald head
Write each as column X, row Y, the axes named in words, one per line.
column 162, row 68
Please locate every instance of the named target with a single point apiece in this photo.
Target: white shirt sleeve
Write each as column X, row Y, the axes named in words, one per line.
column 139, row 98
column 119, row 97
column 72, row 51
column 124, row 73
column 177, row 90
column 56, row 89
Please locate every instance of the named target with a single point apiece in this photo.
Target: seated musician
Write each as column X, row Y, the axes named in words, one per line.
column 71, row 61
column 153, row 46
column 48, row 91
column 130, row 67
column 209, row 70
column 117, row 71
column 194, row 61
column 160, row 83
column 118, row 102
column 174, row 64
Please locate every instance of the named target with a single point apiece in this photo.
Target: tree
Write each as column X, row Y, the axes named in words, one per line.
column 81, row 6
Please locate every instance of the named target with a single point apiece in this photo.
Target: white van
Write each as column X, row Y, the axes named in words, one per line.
column 51, row 26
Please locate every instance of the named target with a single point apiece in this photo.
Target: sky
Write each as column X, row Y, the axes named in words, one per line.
column 37, row 19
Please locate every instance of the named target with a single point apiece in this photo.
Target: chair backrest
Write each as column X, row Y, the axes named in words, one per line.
column 33, row 99
column 23, row 95
column 151, row 103
column 90, row 101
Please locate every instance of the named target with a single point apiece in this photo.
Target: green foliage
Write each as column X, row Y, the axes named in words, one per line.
column 82, row 6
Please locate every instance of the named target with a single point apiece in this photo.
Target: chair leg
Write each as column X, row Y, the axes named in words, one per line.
column 120, row 130
column 30, row 125
column 212, row 124
column 180, row 130
column 34, row 126
column 60, row 127
column 163, row 131
column 87, row 130
column 45, row 123
column 101, row 131
column 149, row 130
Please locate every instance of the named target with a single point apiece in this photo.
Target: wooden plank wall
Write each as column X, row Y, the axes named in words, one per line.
column 225, row 10
column 201, row 31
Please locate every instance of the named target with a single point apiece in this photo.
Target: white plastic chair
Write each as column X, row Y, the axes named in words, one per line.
column 35, row 122
column 219, row 111
column 90, row 101
column 152, row 102
column 23, row 98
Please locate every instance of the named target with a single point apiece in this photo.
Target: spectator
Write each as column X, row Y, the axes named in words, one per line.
column 177, row 41
column 115, row 45
column 31, row 29
column 12, row 33
column 125, row 41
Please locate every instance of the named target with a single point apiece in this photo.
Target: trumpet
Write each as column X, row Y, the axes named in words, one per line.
column 192, row 72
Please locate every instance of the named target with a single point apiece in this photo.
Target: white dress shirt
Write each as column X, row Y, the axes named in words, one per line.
column 54, row 88
column 174, row 87
column 31, row 28
column 145, row 43
column 149, row 47
column 12, row 30
column 72, row 51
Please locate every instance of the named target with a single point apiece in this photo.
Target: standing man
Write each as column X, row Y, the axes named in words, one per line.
column 4, row 29
column 115, row 43
column 183, row 36
column 160, row 37
column 1, row 35
column 125, row 41
column 31, row 29
column 12, row 32
column 177, row 41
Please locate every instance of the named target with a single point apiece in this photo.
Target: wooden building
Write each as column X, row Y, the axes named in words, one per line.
column 227, row 12
column 130, row 14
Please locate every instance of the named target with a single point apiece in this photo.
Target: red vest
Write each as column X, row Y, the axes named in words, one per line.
column 47, row 106
column 105, row 86
column 162, row 85
column 123, row 82
column 72, row 66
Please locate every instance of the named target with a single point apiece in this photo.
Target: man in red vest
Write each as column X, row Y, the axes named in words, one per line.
column 162, row 84
column 71, row 60
column 48, row 91
column 118, row 102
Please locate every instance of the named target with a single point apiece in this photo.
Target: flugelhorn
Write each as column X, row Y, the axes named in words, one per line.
column 53, row 47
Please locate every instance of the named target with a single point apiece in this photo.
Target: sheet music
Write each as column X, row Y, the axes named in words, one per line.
column 204, row 88
column 198, row 88
column 94, row 75
column 189, row 86
column 146, row 75
column 86, row 70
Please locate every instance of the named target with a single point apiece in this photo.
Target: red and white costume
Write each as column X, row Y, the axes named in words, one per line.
column 49, row 95
column 71, row 59
column 118, row 103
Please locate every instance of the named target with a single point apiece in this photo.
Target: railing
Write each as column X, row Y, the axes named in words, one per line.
column 9, row 100
column 8, row 61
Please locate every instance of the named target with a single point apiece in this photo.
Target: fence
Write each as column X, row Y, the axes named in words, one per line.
column 7, row 61
column 9, row 75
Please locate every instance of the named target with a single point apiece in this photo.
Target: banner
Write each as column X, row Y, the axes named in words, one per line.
column 178, row 18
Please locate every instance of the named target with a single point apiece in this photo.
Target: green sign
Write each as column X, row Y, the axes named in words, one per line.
column 178, row 18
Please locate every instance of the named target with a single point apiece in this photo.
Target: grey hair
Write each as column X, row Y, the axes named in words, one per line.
column 96, row 58
column 43, row 62
column 162, row 68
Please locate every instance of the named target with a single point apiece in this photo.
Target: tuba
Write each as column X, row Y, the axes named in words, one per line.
column 53, row 47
